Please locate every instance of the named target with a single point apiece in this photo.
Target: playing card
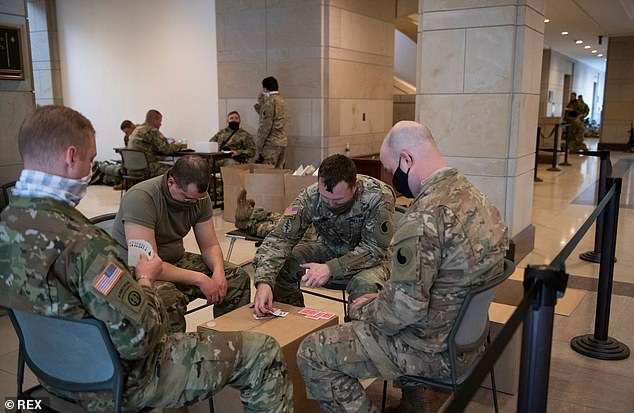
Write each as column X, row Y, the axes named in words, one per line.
column 264, row 317
column 279, row 313
column 308, row 311
column 326, row 316
column 136, row 247
column 316, row 316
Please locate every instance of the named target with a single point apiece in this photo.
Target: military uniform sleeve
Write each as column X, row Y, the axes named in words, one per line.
column 267, row 119
column 134, row 315
column 277, row 246
column 216, row 138
column 160, row 143
column 414, row 267
column 375, row 240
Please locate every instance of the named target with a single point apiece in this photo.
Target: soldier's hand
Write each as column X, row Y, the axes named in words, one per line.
column 222, row 284
column 263, row 301
column 211, row 289
column 149, row 268
column 261, row 97
column 317, row 275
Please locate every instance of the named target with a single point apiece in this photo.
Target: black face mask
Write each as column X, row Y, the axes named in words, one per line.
column 400, row 180
column 234, row 125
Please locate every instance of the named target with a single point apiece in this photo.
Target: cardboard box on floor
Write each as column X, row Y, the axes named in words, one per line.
column 293, row 185
column 233, row 182
column 289, row 332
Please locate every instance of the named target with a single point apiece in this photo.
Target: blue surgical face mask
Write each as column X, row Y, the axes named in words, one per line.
column 400, row 180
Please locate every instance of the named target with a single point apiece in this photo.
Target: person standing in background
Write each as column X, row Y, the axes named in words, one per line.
column 271, row 140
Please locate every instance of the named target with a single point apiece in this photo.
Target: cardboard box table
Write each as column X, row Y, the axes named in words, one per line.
column 289, row 332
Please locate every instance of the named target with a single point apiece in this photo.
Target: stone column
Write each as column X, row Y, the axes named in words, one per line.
column 16, row 96
column 45, row 52
column 478, row 91
column 618, row 103
column 332, row 59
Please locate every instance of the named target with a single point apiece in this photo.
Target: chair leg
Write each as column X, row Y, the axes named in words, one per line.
column 494, row 391
column 384, row 396
column 346, row 317
column 211, row 405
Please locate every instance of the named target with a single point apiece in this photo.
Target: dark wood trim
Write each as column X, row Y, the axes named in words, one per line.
column 613, row 146
column 521, row 244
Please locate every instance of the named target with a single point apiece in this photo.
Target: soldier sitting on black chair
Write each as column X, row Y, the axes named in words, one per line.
column 353, row 215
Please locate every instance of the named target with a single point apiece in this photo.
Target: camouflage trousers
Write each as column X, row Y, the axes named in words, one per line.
column 286, row 288
column 176, row 296
column 195, row 366
column 274, row 155
column 575, row 136
column 333, row 360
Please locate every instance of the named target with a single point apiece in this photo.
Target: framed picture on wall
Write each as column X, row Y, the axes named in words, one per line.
column 11, row 65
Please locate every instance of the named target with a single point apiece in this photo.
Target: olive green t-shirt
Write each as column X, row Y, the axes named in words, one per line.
column 150, row 204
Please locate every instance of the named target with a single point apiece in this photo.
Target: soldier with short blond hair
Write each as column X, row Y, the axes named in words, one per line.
column 56, row 263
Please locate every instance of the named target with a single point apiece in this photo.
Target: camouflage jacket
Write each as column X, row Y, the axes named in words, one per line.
column 54, row 262
column 240, row 141
column 360, row 237
column 273, row 116
column 450, row 239
column 151, row 141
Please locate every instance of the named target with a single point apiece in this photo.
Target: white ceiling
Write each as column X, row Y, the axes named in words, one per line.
column 587, row 20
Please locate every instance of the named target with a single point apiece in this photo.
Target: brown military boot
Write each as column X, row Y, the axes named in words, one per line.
column 244, row 209
column 413, row 400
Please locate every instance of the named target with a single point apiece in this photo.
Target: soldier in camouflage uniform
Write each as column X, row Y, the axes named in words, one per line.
column 235, row 139
column 353, row 215
column 254, row 221
column 578, row 132
column 271, row 140
column 54, row 262
column 162, row 210
column 149, row 139
column 450, row 239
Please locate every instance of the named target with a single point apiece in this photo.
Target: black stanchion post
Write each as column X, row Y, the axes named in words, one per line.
column 537, row 337
column 604, row 173
column 599, row 345
column 555, row 149
column 566, row 140
column 535, row 177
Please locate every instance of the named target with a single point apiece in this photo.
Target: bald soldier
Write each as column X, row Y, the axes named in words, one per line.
column 54, row 262
column 353, row 216
column 450, row 239
column 149, row 139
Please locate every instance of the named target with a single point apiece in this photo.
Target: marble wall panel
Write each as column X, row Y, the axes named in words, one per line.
column 489, row 59
column 519, row 205
column 523, row 129
column 241, row 79
column 468, row 18
column 241, row 30
column 365, row 34
column 478, row 166
column 14, row 108
column 352, row 80
column 297, row 78
column 529, row 46
column 286, row 29
column 362, row 117
column 442, row 69
column 376, row 9
column 439, row 5
column 468, row 125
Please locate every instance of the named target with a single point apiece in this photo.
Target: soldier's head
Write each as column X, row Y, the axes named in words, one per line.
column 337, row 179
column 410, row 153
column 154, row 118
column 573, row 96
column 58, row 140
column 188, row 179
column 127, row 127
column 270, row 84
column 580, row 98
column 233, row 120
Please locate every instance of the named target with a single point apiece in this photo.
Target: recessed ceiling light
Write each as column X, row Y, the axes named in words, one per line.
column 600, row 55
column 579, row 41
column 587, row 46
column 564, row 33
column 546, row 20
column 594, row 51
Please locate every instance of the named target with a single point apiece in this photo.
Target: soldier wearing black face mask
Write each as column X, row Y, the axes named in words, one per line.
column 353, row 215
column 235, row 139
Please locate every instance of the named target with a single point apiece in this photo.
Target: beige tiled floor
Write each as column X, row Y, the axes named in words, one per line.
column 577, row 383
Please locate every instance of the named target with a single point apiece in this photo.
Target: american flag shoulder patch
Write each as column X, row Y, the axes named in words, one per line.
column 107, row 279
column 291, row 211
